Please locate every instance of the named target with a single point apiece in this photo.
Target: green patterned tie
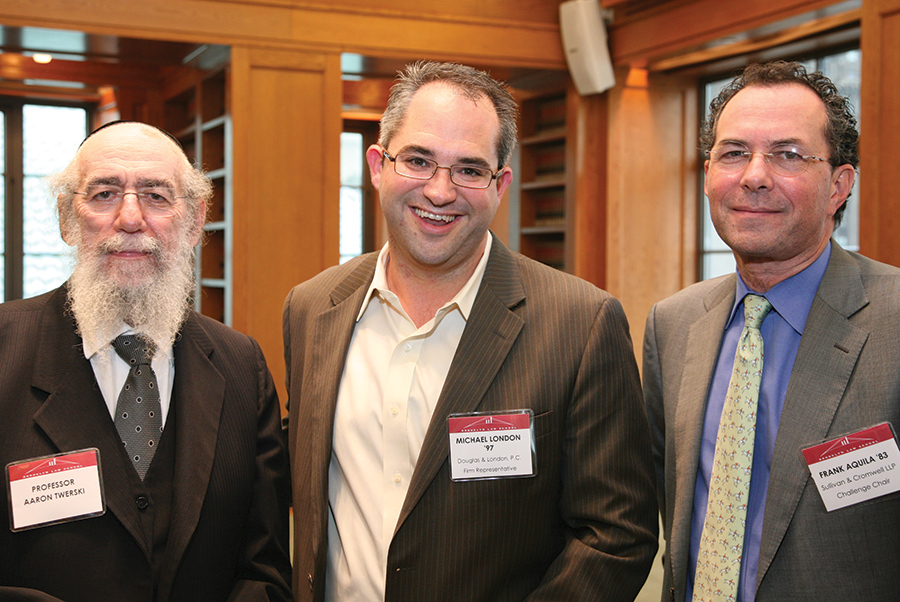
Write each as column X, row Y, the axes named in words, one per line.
column 722, row 541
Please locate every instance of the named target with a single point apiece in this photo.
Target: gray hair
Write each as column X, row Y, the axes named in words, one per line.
column 473, row 83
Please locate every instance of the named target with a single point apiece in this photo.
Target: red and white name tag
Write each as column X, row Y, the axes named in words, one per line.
column 857, row 467
column 489, row 445
column 54, row 489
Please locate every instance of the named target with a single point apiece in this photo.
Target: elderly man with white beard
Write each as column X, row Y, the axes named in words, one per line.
column 141, row 441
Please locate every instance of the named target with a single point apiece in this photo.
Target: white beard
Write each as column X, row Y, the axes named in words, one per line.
column 153, row 298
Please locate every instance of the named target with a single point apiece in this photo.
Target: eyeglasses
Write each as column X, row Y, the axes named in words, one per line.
column 155, row 202
column 414, row 166
column 788, row 162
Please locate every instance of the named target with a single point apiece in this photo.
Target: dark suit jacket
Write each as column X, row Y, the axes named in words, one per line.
column 583, row 529
column 228, row 533
column 846, row 377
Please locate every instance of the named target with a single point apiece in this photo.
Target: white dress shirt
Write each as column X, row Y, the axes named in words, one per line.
column 393, row 376
column 111, row 371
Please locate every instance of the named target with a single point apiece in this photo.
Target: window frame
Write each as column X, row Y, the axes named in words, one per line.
column 11, row 111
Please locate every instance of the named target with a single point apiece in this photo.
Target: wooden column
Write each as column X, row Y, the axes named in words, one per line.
column 879, row 211
column 286, row 123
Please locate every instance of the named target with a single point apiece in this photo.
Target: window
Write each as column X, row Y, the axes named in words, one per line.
column 353, row 171
column 357, row 220
column 37, row 140
column 844, row 70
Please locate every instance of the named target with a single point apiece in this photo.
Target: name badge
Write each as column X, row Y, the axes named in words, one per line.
column 492, row 445
column 54, row 489
column 857, row 467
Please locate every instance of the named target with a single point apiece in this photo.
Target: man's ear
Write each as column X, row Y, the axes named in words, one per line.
column 67, row 220
column 842, row 179
column 375, row 159
column 199, row 220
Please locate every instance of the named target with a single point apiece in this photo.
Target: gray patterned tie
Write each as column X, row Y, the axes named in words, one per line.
column 138, row 413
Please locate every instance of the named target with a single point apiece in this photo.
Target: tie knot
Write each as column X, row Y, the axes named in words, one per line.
column 755, row 310
column 133, row 349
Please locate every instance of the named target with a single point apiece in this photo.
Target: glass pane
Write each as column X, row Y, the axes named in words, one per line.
column 40, row 225
column 845, row 71
column 352, row 173
column 718, row 264
column 43, row 273
column 51, row 136
column 3, row 206
column 351, row 222
column 352, row 159
column 2, row 143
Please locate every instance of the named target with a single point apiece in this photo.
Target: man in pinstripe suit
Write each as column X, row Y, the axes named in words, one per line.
column 389, row 352
column 208, row 519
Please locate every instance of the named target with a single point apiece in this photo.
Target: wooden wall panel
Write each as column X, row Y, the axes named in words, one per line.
column 286, row 121
column 651, row 194
column 588, row 157
column 436, row 30
column 529, row 13
column 879, row 125
column 637, row 36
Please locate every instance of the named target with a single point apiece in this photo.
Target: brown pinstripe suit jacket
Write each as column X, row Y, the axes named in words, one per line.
column 227, row 537
column 583, row 529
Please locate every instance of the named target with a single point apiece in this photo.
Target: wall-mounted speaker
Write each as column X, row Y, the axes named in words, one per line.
column 584, row 42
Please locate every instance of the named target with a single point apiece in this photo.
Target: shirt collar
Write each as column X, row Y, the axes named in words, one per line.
column 464, row 299
column 92, row 345
column 791, row 298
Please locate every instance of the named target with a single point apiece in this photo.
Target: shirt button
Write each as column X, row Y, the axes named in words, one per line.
column 395, row 410
column 142, row 502
column 397, row 478
column 407, row 347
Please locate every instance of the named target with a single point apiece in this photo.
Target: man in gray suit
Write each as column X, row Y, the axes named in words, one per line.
column 465, row 423
column 782, row 156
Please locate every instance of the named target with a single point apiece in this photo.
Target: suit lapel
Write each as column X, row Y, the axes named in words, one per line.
column 489, row 335
column 321, row 381
column 198, row 394
column 699, row 362
column 75, row 416
column 827, row 357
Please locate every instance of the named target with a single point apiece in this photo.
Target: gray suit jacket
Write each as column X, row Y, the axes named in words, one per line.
column 227, row 538
column 846, row 377
column 582, row 529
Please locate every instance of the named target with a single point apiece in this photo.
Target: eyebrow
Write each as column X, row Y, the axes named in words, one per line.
column 420, row 150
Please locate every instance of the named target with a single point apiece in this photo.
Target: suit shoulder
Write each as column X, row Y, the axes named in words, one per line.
column 694, row 294
column 19, row 306
column 355, row 272
column 223, row 337
column 870, row 267
column 540, row 278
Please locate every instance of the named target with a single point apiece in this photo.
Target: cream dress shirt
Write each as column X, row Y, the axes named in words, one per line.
column 393, row 376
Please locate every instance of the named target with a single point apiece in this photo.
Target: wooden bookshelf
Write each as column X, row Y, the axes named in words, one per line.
column 544, row 196
column 196, row 111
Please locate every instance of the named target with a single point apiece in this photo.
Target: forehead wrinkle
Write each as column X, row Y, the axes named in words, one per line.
column 142, row 182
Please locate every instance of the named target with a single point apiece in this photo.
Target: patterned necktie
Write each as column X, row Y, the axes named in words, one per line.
column 138, row 413
column 722, row 541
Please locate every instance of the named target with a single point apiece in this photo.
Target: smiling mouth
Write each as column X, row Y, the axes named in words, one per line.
column 432, row 216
